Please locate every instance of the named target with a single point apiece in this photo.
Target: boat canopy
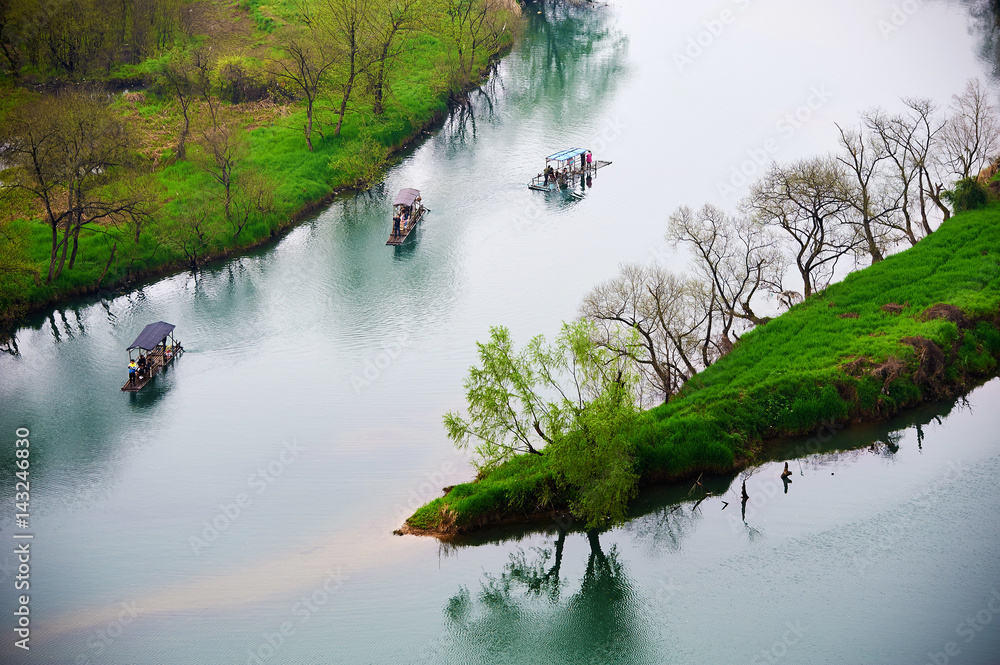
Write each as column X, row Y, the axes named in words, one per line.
column 566, row 154
column 406, row 197
column 152, row 335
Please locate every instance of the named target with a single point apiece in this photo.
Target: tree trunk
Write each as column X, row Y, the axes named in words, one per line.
column 108, row 264
column 181, row 147
column 76, row 244
column 377, row 107
column 807, row 288
column 309, row 124
column 343, row 105
column 935, row 193
column 873, row 249
column 65, row 249
column 54, row 253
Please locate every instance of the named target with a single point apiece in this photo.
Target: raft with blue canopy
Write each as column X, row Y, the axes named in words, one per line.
column 566, row 165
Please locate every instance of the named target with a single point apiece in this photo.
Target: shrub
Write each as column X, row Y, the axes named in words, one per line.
column 968, row 194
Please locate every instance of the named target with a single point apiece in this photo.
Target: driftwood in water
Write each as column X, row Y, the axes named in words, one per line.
column 697, row 483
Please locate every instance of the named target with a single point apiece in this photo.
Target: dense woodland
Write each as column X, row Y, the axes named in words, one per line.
column 142, row 136
column 81, row 39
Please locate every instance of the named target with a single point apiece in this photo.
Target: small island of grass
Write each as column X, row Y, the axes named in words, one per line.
column 920, row 325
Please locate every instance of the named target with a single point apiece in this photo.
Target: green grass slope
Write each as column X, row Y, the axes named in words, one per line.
column 841, row 356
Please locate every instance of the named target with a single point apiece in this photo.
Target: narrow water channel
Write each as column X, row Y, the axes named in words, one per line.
column 317, row 372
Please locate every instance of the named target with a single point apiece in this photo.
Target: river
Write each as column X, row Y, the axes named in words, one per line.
column 240, row 509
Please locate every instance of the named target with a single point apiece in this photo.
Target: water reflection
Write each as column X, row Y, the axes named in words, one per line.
column 530, row 607
column 580, row 49
column 663, row 518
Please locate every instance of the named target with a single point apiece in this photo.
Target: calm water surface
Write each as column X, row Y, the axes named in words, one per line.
column 317, row 372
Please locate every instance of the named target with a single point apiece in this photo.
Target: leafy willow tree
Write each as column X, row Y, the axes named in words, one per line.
column 507, row 411
column 571, row 401
column 471, row 28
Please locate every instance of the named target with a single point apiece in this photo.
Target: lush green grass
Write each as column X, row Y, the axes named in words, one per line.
column 809, row 367
column 418, row 94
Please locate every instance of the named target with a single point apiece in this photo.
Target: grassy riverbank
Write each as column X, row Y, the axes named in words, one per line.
column 187, row 224
column 923, row 324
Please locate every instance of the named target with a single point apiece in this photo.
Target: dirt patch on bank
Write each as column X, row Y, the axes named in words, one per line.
column 946, row 312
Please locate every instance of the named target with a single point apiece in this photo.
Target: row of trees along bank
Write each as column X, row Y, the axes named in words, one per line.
column 647, row 333
column 203, row 161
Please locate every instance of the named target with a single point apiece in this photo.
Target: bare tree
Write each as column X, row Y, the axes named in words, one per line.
column 191, row 235
column 391, row 20
column 653, row 318
column 895, row 134
column 253, row 200
column 737, row 257
column 473, row 27
column 178, row 76
column 204, row 81
column 225, row 151
column 9, row 37
column 73, row 156
column 348, row 27
column 867, row 191
column 922, row 145
column 806, row 201
column 971, row 136
column 307, row 65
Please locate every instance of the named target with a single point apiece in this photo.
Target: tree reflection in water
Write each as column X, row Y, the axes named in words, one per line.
column 530, row 613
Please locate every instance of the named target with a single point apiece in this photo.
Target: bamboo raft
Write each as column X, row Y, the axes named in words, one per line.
column 153, row 341
column 564, row 167
column 407, row 206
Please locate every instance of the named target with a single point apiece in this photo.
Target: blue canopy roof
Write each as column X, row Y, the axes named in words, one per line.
column 566, row 154
column 151, row 335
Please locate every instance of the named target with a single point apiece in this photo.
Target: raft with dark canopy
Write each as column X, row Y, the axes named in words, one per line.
column 157, row 348
column 407, row 210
